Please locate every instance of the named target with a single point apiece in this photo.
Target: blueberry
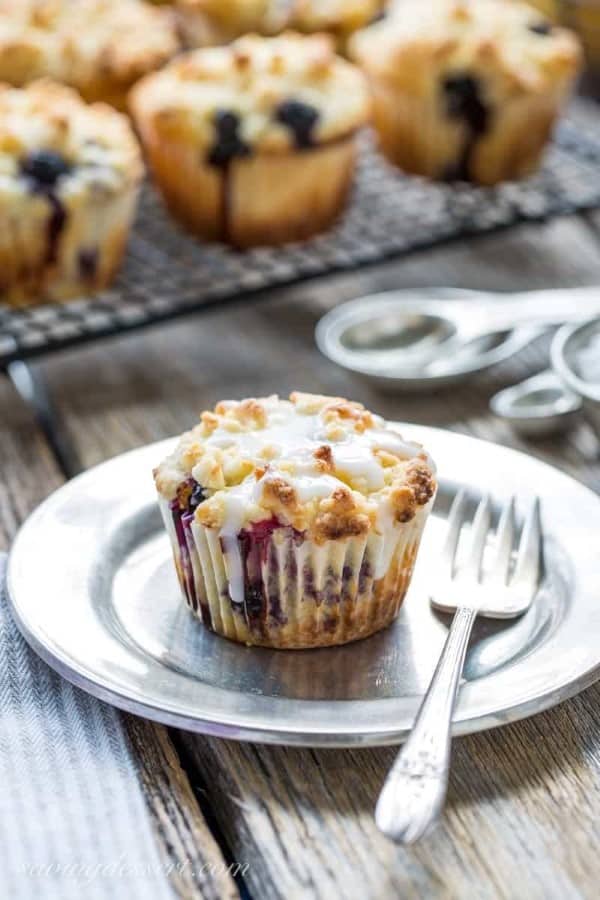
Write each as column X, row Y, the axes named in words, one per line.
column 542, row 28
column 196, row 497
column 226, row 122
column 464, row 101
column 300, row 118
column 254, row 601
column 45, row 167
column 228, row 144
column 189, row 493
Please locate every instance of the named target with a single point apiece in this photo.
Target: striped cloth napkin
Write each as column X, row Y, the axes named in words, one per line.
column 73, row 821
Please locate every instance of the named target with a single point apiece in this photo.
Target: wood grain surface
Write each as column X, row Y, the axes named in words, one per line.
column 523, row 814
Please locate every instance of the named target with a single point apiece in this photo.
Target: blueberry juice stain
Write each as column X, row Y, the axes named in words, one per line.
column 464, row 102
column 43, row 170
column 228, row 145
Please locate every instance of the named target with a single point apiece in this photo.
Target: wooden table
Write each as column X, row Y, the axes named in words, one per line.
column 523, row 815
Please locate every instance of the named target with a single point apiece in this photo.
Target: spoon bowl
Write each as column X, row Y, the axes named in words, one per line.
column 396, row 330
column 425, row 338
column 416, row 339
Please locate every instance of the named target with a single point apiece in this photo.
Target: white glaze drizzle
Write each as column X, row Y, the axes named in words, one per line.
column 292, row 437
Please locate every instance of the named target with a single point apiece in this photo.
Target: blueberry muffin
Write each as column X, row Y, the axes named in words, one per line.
column 467, row 91
column 69, row 176
column 254, row 143
column 583, row 16
column 206, row 23
column 340, row 18
column 100, row 47
column 295, row 523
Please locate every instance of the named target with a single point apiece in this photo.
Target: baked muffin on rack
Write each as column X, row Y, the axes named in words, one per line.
column 206, row 23
column 100, row 47
column 295, row 523
column 69, row 176
column 340, row 18
column 254, row 143
column 466, row 90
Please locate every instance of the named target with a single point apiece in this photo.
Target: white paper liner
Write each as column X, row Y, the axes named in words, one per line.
column 299, row 594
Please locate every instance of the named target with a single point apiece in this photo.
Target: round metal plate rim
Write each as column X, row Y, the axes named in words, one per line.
column 280, row 719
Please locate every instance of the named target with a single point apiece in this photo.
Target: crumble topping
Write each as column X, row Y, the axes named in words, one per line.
column 322, row 465
column 267, row 94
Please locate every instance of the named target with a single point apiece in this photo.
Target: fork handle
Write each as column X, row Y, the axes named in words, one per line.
column 415, row 789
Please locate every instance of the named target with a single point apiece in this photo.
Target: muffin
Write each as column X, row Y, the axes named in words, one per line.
column 69, row 176
column 100, row 47
column 254, row 143
column 295, row 523
column 583, row 16
column 340, row 18
column 206, row 23
column 466, row 91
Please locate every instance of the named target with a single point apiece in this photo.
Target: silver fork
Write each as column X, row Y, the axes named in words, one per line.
column 414, row 792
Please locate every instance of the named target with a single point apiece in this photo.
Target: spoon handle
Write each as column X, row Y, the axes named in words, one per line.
column 415, row 789
column 546, row 307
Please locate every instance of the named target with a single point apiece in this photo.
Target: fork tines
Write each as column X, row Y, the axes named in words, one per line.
column 500, row 570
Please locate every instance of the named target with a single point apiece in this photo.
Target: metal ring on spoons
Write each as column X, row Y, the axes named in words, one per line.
column 426, row 337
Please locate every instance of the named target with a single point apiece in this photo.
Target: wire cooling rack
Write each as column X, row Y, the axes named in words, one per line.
column 168, row 274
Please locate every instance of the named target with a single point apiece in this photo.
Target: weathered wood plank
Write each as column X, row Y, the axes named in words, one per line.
column 523, row 806
column 189, row 852
column 520, row 822
column 195, row 864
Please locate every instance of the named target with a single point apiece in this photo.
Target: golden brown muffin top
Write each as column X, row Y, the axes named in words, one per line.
column 79, row 41
column 509, row 42
column 265, row 94
column 323, row 465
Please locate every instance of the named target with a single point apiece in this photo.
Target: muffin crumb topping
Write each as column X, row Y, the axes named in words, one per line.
column 269, row 458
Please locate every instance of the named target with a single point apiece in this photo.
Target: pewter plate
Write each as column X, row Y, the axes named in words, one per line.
column 94, row 592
